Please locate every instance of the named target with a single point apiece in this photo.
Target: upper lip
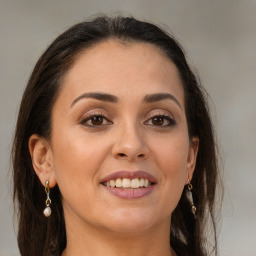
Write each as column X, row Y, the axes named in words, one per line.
column 129, row 175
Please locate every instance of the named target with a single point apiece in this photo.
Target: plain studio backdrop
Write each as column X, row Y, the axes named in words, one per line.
column 219, row 37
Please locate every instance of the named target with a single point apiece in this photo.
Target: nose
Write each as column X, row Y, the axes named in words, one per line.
column 130, row 144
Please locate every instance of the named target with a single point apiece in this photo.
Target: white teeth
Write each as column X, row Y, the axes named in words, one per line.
column 128, row 183
column 118, row 183
column 135, row 183
column 112, row 183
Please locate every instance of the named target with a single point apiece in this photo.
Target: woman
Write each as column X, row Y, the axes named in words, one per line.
column 112, row 132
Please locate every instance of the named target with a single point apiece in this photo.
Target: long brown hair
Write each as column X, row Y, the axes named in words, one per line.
column 38, row 235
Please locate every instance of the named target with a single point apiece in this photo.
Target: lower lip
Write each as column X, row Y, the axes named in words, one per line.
column 130, row 193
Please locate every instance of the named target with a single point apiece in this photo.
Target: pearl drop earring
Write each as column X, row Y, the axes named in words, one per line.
column 47, row 210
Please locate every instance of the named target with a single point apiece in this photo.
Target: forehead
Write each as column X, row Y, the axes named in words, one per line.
column 118, row 68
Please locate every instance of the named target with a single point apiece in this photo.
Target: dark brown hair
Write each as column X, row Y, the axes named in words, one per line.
column 38, row 235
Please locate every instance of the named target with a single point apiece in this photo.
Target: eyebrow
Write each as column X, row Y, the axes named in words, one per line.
column 98, row 96
column 150, row 98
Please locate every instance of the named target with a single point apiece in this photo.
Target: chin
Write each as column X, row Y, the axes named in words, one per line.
column 131, row 221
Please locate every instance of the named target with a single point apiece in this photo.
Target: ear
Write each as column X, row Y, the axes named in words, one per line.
column 192, row 155
column 42, row 160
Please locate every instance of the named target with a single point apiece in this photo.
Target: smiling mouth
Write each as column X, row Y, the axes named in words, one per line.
column 126, row 183
column 129, row 184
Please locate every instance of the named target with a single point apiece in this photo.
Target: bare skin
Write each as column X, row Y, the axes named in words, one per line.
column 120, row 108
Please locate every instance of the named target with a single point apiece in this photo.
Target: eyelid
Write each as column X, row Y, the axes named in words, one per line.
column 92, row 110
column 169, row 120
column 92, row 114
column 159, row 113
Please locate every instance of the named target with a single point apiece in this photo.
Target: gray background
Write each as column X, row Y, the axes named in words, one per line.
column 220, row 39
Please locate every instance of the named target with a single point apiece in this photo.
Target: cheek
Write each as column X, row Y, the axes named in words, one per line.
column 172, row 154
column 172, row 161
column 76, row 161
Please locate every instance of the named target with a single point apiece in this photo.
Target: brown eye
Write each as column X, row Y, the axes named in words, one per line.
column 96, row 120
column 158, row 120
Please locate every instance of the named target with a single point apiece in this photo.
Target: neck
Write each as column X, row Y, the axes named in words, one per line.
column 86, row 240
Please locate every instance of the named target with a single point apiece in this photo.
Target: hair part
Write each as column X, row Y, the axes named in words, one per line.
column 40, row 236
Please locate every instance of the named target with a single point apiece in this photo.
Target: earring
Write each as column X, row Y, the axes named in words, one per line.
column 190, row 198
column 47, row 210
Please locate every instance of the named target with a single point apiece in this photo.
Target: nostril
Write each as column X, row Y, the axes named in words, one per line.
column 124, row 155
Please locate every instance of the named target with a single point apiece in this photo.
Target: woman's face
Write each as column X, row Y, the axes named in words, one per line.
column 120, row 151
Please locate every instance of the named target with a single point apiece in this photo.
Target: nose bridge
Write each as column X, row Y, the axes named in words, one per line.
column 129, row 141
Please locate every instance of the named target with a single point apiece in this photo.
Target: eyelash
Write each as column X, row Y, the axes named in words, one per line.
column 165, row 118
column 95, row 115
